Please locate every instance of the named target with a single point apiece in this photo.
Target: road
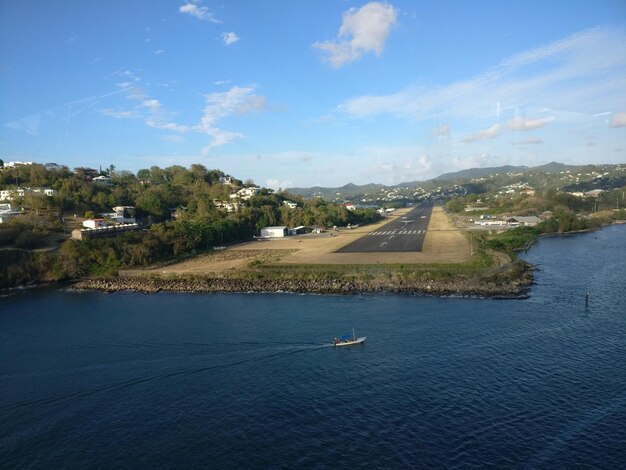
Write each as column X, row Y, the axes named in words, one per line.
column 400, row 235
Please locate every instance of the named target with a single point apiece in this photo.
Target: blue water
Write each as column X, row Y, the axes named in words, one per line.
column 249, row 381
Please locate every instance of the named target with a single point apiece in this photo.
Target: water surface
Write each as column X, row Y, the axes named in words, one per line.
column 221, row 381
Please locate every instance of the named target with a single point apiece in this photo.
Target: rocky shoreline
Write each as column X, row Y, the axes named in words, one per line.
column 455, row 286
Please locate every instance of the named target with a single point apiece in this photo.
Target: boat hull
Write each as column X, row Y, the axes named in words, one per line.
column 351, row 342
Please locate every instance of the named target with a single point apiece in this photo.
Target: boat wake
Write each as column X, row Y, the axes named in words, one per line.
column 164, row 376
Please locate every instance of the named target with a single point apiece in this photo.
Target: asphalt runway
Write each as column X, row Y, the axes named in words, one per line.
column 401, row 235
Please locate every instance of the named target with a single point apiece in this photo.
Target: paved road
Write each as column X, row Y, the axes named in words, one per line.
column 403, row 234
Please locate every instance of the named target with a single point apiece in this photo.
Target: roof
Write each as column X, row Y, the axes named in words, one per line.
column 282, row 227
column 525, row 219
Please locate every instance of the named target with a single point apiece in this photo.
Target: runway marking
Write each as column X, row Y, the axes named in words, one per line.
column 393, row 233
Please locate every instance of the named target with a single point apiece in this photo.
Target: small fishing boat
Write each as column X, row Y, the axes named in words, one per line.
column 347, row 340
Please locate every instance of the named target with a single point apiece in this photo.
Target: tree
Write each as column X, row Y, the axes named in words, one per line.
column 143, row 174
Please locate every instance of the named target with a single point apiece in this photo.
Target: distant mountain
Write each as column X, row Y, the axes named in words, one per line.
column 479, row 172
column 330, row 193
column 554, row 167
column 351, row 190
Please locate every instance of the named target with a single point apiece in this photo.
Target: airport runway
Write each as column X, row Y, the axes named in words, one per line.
column 404, row 234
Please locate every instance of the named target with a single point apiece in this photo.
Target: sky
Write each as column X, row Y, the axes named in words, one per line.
column 292, row 93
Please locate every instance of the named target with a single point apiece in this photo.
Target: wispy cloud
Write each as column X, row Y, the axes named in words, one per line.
column 119, row 113
column 577, row 74
column 523, row 124
column 219, row 105
column 443, row 131
column 236, row 101
column 362, row 30
column 618, row 120
column 229, row 38
column 532, row 141
column 200, row 12
column 490, row 133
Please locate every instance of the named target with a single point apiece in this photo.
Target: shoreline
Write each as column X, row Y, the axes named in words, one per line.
column 514, row 284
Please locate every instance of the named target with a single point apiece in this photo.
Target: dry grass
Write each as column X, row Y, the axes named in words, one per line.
column 443, row 244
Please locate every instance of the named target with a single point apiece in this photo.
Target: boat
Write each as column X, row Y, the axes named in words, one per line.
column 347, row 340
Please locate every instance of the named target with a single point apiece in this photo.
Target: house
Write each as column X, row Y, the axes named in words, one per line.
column 290, row 204
column 95, row 223
column 476, row 208
column 103, row 232
column 7, row 213
column 246, row 193
column 228, row 206
column 11, row 194
column 226, row 180
column 526, row 221
column 14, row 164
column 274, row 232
column 102, row 180
column 349, row 206
column 123, row 215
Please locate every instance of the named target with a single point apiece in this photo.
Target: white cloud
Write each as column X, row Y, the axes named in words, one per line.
column 152, row 104
column 159, row 51
column 618, row 120
column 363, row 30
column 202, row 13
column 490, row 133
column 230, row 38
column 523, row 124
column 276, row 184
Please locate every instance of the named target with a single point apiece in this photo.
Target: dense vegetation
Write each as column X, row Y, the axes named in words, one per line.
column 157, row 194
column 568, row 213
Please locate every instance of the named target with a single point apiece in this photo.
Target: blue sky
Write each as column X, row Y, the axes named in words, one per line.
column 295, row 93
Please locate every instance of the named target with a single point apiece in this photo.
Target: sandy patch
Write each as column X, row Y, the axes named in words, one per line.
column 443, row 244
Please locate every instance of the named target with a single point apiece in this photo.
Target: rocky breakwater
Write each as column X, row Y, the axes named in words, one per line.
column 473, row 286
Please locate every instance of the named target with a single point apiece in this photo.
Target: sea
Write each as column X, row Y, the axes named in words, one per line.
column 218, row 381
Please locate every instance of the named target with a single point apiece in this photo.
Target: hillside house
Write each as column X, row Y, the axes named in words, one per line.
column 246, row 193
column 95, row 223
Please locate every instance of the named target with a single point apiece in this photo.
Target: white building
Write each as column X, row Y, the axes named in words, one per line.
column 95, row 223
column 246, row 193
column 123, row 215
column 11, row 194
column 228, row 206
column 274, row 232
column 290, row 204
column 7, row 213
column 14, row 164
column 102, row 180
